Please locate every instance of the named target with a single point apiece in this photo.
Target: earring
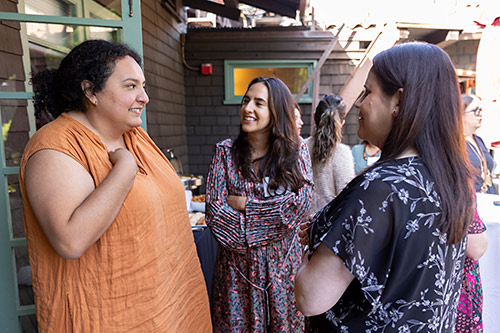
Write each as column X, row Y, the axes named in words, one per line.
column 95, row 103
column 395, row 112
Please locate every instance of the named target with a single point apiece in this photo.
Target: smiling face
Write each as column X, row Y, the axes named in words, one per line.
column 471, row 121
column 254, row 112
column 123, row 98
column 375, row 112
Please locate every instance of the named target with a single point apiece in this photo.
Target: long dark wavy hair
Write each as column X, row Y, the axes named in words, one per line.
column 59, row 90
column 430, row 121
column 281, row 162
column 328, row 117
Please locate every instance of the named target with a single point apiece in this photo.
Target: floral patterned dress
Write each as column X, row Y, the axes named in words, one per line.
column 470, row 307
column 383, row 227
column 259, row 251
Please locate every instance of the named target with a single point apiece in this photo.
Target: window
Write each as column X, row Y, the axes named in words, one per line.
column 239, row 73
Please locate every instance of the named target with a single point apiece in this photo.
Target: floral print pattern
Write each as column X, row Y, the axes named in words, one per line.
column 470, row 307
column 383, row 227
column 259, row 252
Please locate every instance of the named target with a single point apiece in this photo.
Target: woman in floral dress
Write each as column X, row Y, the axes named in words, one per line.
column 387, row 254
column 470, row 306
column 259, row 190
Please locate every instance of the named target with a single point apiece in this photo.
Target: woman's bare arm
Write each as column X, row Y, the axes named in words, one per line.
column 476, row 245
column 72, row 212
column 320, row 282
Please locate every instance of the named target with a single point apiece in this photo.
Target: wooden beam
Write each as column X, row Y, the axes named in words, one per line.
column 231, row 3
column 386, row 38
column 320, row 63
column 302, row 8
column 315, row 102
column 212, row 7
column 281, row 7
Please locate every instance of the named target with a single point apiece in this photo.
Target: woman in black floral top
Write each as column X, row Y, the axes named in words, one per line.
column 387, row 254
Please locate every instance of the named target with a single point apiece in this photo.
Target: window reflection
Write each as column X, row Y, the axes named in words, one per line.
column 105, row 9
column 293, row 77
column 15, row 129
column 47, row 45
column 16, row 206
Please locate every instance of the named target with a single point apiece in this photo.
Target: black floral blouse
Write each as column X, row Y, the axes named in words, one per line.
column 383, row 227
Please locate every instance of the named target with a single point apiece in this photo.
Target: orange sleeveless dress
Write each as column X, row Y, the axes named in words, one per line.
column 143, row 274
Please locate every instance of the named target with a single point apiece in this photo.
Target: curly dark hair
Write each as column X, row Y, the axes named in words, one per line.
column 58, row 91
column 281, row 162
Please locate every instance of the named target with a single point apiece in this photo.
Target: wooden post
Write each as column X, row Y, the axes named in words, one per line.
column 386, row 38
column 320, row 63
column 315, row 94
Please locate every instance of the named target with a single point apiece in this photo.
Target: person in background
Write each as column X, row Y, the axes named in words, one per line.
column 259, row 188
column 331, row 160
column 108, row 233
column 365, row 155
column 477, row 152
column 298, row 118
column 387, row 254
column 470, row 307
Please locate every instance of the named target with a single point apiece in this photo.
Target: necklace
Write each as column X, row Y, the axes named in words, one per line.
column 485, row 172
column 365, row 153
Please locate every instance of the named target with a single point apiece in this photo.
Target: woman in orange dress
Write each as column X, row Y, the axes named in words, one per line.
column 109, row 239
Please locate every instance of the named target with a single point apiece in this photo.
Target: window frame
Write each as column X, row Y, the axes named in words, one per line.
column 230, row 65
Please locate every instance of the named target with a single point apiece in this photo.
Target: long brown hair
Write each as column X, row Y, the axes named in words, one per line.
column 430, row 121
column 328, row 117
column 281, row 162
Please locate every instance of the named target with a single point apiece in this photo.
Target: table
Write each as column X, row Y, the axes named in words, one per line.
column 489, row 264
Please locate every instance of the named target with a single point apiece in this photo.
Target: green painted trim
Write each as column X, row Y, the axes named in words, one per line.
column 10, row 170
column 8, row 311
column 18, row 242
column 25, row 310
column 16, row 95
column 229, row 65
column 132, row 35
column 269, row 63
column 66, row 20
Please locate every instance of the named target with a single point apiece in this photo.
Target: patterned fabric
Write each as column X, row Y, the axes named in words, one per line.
column 476, row 163
column 253, row 288
column 383, row 227
column 470, row 306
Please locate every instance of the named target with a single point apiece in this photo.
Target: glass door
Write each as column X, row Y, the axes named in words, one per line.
column 36, row 35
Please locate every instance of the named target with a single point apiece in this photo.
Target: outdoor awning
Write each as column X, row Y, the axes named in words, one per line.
column 229, row 8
